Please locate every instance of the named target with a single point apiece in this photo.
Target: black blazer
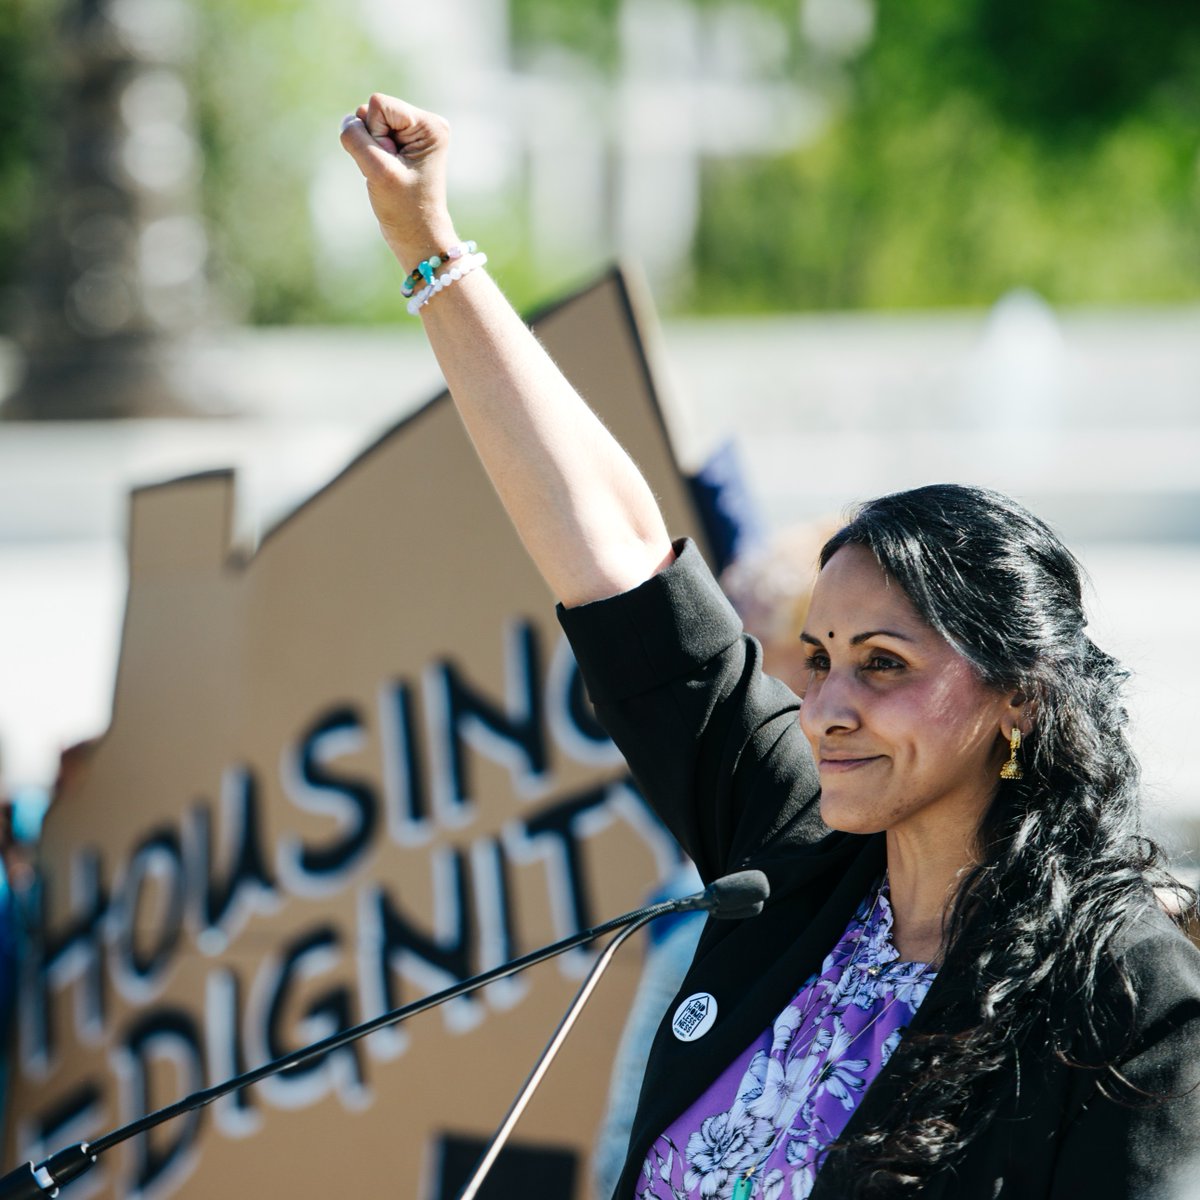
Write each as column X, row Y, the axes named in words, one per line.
column 716, row 748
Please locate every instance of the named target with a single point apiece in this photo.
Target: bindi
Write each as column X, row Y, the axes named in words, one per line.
column 831, row 635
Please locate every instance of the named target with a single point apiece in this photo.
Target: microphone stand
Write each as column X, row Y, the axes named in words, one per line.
column 733, row 897
column 547, row 1057
column 30, row 1182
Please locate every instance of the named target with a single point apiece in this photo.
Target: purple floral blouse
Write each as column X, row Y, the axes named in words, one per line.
column 763, row 1127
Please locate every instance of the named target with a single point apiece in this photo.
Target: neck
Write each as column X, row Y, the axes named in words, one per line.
column 922, row 881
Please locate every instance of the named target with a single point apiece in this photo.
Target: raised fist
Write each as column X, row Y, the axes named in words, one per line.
column 401, row 151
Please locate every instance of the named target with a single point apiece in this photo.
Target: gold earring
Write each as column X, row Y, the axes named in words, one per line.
column 1012, row 768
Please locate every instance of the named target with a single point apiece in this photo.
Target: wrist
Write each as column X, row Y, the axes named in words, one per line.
column 415, row 247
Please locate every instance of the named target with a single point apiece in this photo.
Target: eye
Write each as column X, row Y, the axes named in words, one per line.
column 818, row 660
column 883, row 662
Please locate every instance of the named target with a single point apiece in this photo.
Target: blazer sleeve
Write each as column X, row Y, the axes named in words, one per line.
column 1143, row 1143
column 712, row 742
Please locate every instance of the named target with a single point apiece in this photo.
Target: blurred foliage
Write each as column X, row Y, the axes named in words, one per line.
column 983, row 145
column 954, row 210
column 588, row 28
column 975, row 145
column 272, row 80
column 979, row 145
column 26, row 141
column 1075, row 67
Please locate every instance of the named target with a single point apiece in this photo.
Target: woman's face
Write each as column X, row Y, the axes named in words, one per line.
column 904, row 733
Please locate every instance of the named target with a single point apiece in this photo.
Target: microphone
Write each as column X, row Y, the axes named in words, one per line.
column 732, row 897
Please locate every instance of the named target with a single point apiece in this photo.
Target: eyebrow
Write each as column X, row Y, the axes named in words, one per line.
column 859, row 638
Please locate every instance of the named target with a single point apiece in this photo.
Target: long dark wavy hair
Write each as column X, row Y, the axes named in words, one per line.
column 1062, row 861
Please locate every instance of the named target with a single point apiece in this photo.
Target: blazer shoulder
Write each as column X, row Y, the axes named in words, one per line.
column 1152, row 945
column 1162, row 966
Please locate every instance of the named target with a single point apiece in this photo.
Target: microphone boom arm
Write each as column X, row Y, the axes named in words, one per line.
column 547, row 1057
column 734, row 897
column 29, row 1182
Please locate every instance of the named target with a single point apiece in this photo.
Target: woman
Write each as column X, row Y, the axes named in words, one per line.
column 962, row 985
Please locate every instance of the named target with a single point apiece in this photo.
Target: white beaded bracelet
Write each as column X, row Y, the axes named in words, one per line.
column 463, row 266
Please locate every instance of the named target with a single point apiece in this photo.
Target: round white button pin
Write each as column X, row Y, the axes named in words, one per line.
column 694, row 1017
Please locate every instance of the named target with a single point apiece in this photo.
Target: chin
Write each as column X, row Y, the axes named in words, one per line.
column 846, row 816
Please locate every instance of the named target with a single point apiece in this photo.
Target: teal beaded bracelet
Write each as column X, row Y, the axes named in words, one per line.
column 423, row 274
column 462, row 267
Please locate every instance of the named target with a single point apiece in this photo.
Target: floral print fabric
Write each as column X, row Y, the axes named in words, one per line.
column 763, row 1127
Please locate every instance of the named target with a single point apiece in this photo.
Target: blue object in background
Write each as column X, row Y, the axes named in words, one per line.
column 8, row 953
column 728, row 510
column 29, row 806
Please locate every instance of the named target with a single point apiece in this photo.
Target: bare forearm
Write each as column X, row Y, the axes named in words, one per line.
column 582, row 508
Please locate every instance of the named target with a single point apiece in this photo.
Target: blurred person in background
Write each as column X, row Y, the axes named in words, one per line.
column 963, row 984
column 770, row 586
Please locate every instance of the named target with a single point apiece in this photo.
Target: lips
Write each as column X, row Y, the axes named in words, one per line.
column 843, row 763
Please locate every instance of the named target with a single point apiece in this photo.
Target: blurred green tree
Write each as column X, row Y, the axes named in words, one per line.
column 27, row 142
column 974, row 145
column 272, row 78
column 981, row 145
column 1077, row 68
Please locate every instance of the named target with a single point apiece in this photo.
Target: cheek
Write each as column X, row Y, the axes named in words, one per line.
column 958, row 727
column 933, row 728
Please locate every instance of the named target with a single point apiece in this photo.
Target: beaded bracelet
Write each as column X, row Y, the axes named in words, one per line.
column 423, row 272
column 444, row 280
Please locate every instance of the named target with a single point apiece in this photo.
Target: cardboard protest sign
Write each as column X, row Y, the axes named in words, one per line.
column 342, row 773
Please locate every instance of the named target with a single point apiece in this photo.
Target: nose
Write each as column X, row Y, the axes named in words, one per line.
column 830, row 706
